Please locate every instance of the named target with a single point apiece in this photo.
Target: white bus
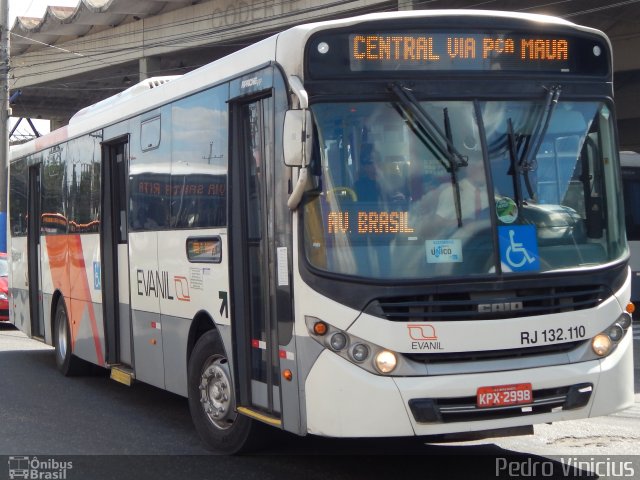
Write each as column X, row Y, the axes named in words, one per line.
column 399, row 224
column 630, row 163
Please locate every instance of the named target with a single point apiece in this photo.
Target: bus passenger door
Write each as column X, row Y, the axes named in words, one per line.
column 33, row 253
column 114, row 253
column 254, row 325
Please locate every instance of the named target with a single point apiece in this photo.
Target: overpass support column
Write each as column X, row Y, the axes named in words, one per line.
column 149, row 67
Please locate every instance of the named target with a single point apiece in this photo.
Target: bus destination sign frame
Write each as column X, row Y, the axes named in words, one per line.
column 411, row 52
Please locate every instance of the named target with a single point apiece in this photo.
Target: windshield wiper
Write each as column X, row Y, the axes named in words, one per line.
column 442, row 141
column 528, row 161
column 514, row 169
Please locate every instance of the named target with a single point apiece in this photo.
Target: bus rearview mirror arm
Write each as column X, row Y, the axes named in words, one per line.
column 298, row 189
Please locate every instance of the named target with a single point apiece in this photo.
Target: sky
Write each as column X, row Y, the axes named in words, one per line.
column 34, row 8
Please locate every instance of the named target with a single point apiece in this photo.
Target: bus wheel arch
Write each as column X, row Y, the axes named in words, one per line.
column 201, row 324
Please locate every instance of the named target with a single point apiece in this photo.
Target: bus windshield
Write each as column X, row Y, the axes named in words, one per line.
column 413, row 189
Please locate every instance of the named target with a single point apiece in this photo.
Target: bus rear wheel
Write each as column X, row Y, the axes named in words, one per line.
column 212, row 399
column 67, row 363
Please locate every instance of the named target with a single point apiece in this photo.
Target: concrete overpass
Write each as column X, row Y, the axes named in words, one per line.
column 76, row 56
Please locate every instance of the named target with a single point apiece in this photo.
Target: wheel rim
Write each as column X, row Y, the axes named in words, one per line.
column 216, row 392
column 62, row 336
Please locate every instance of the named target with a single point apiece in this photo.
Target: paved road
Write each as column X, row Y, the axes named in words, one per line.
column 111, row 431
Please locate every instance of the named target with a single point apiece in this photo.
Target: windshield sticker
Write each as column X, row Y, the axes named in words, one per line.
column 519, row 248
column 444, row 251
column 507, row 210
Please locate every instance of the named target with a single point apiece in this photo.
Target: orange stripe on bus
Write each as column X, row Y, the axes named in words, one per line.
column 69, row 275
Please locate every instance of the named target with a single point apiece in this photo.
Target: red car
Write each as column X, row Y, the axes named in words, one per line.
column 4, row 288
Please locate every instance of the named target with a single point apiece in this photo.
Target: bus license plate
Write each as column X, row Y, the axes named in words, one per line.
column 504, row 395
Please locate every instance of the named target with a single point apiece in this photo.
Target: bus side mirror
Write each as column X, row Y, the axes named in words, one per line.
column 297, row 137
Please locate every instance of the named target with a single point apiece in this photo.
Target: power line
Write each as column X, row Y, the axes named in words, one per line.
column 111, row 56
column 202, row 18
column 108, row 56
column 167, row 39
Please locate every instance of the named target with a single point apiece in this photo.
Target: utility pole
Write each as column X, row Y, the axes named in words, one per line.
column 4, row 119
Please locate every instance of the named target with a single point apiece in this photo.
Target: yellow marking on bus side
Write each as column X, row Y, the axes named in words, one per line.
column 258, row 416
column 121, row 376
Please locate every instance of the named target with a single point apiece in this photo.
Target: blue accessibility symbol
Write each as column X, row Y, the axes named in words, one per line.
column 519, row 248
column 97, row 276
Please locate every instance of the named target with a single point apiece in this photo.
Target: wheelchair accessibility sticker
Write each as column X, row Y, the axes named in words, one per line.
column 519, row 248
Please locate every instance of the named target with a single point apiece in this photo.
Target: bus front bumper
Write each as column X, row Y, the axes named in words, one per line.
column 343, row 400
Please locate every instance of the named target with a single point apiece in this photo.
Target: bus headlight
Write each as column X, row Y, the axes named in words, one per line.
column 338, row 341
column 624, row 321
column 386, row 361
column 615, row 332
column 366, row 355
column 606, row 341
column 601, row 344
column 360, row 352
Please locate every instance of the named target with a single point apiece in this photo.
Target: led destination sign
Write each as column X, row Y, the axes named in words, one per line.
column 408, row 51
column 333, row 55
column 367, row 222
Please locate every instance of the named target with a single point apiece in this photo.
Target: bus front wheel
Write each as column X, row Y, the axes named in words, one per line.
column 212, row 399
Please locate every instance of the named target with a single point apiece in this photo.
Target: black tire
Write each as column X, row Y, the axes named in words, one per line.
column 68, row 364
column 211, row 388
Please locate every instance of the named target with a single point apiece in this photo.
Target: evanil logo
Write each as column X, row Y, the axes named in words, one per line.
column 423, row 337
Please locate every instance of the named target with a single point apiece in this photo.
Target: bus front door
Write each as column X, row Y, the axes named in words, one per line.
column 252, row 257
column 114, row 253
column 33, row 253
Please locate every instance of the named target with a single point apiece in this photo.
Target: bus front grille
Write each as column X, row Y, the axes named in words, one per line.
column 489, row 305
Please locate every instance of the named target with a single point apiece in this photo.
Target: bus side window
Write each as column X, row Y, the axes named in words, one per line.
column 18, row 193
column 150, row 134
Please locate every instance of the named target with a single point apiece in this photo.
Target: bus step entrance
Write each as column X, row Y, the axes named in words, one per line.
column 276, row 422
column 122, row 374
